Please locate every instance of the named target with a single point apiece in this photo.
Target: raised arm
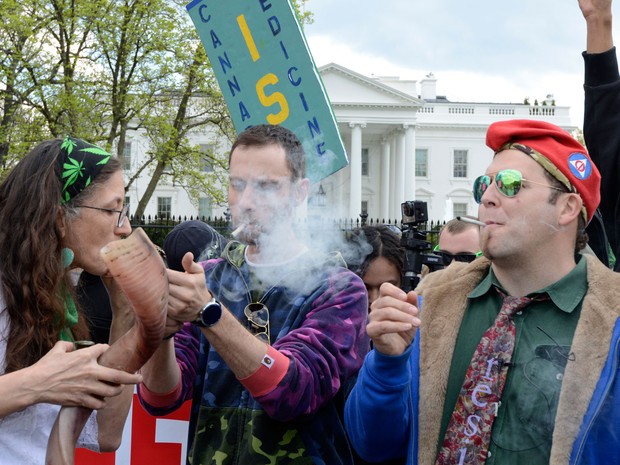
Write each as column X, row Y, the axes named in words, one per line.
column 597, row 14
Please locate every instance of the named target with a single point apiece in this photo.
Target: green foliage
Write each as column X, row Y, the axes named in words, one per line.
column 97, row 69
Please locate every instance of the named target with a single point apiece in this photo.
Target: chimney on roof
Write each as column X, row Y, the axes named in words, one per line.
column 428, row 87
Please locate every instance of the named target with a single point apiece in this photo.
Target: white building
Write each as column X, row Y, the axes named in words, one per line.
column 404, row 142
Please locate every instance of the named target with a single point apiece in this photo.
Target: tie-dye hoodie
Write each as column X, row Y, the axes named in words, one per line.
column 318, row 312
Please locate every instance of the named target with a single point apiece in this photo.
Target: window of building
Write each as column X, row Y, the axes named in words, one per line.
column 421, row 163
column 127, row 156
column 365, row 168
column 459, row 209
column 364, row 206
column 459, row 166
column 207, row 162
column 164, row 207
column 205, row 207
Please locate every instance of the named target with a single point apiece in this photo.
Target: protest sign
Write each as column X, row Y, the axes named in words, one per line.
column 267, row 75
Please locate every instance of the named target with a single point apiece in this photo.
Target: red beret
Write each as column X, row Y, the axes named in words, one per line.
column 556, row 150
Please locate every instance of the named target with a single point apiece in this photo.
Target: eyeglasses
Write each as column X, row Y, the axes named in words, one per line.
column 122, row 213
column 447, row 257
column 508, row 183
column 258, row 316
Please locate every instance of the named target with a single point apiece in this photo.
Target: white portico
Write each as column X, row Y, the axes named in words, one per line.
column 404, row 144
column 372, row 113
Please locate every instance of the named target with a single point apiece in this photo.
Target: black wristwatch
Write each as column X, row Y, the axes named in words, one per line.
column 209, row 315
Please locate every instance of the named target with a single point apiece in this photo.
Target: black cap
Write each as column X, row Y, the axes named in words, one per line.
column 192, row 236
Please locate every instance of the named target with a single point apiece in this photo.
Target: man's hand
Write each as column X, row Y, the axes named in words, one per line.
column 393, row 320
column 188, row 291
column 590, row 8
column 597, row 14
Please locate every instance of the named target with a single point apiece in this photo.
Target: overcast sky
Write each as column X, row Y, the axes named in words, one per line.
column 480, row 50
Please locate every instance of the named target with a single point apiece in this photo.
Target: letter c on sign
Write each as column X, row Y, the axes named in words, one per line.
column 203, row 18
column 292, row 79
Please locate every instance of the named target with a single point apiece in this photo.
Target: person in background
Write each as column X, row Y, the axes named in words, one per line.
column 458, row 241
column 194, row 236
column 58, row 207
column 375, row 254
column 278, row 328
column 601, row 123
column 516, row 356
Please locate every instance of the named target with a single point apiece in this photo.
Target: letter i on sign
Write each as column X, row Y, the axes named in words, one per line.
column 247, row 36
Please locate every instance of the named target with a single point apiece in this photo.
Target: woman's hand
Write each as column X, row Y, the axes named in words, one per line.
column 66, row 376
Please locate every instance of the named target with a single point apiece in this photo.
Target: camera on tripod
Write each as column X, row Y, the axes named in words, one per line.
column 414, row 213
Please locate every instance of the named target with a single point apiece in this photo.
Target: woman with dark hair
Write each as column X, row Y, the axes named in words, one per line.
column 58, row 207
column 375, row 255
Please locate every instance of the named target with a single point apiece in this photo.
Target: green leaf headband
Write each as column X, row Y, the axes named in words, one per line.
column 80, row 163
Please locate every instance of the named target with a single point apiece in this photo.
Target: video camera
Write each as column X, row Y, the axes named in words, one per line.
column 415, row 212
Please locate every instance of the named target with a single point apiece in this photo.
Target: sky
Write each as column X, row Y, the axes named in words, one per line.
column 497, row 51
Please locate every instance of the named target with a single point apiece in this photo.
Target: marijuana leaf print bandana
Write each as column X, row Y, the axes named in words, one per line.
column 80, row 163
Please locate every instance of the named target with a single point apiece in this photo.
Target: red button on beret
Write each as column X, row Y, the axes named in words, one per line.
column 558, row 147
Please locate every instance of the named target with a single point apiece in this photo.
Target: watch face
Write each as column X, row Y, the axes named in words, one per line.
column 210, row 314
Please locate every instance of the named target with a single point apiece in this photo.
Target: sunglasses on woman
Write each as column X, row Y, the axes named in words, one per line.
column 508, row 183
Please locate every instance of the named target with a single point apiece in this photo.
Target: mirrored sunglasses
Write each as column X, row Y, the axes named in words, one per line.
column 258, row 317
column 508, row 183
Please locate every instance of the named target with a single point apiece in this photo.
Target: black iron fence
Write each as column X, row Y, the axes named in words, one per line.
column 158, row 228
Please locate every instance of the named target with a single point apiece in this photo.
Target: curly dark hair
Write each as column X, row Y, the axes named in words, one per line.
column 34, row 283
column 370, row 242
column 266, row 134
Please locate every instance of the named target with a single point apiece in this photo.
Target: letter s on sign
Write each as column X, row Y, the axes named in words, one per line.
column 272, row 99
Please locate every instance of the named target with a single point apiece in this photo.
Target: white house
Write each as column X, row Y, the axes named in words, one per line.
column 404, row 142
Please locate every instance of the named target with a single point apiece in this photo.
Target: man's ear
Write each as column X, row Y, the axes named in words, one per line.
column 302, row 187
column 571, row 208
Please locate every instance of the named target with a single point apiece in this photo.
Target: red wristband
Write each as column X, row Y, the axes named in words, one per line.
column 272, row 369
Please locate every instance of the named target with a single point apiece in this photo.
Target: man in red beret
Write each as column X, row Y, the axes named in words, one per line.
column 513, row 358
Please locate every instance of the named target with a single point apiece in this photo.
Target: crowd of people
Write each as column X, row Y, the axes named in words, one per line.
column 505, row 353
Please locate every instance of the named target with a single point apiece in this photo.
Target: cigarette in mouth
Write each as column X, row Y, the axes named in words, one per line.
column 237, row 230
column 470, row 220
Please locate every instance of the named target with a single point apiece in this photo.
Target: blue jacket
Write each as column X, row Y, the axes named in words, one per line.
column 396, row 405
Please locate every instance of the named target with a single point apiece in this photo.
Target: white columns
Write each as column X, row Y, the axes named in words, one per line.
column 385, row 179
column 409, row 161
column 394, row 209
column 355, row 199
column 400, row 169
